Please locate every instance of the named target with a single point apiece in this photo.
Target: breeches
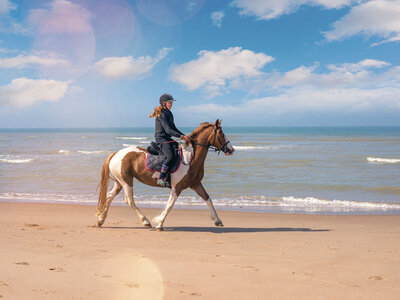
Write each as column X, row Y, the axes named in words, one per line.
column 170, row 153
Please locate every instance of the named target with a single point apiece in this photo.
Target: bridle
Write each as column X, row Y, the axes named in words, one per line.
column 224, row 148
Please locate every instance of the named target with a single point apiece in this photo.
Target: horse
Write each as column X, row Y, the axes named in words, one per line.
column 129, row 163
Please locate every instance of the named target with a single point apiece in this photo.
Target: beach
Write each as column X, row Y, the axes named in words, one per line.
column 53, row 251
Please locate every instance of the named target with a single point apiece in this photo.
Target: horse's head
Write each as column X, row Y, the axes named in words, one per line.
column 218, row 139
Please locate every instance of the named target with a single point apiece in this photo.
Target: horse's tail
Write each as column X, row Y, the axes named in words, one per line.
column 105, row 176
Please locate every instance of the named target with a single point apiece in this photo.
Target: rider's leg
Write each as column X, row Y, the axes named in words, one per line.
column 169, row 152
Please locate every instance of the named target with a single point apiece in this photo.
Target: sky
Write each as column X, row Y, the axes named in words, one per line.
column 105, row 63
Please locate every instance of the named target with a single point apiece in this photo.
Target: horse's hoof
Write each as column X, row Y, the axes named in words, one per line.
column 99, row 223
column 160, row 229
column 147, row 225
column 219, row 224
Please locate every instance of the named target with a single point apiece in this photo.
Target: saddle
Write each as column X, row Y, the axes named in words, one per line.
column 155, row 157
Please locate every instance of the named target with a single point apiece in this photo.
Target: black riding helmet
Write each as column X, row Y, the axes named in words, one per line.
column 165, row 98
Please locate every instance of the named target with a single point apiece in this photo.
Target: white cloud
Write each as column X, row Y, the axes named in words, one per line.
column 23, row 92
column 304, row 100
column 339, row 76
column 271, row 9
column 62, row 16
column 215, row 71
column 343, row 88
column 6, row 6
column 128, row 66
column 23, row 61
column 217, row 17
column 374, row 18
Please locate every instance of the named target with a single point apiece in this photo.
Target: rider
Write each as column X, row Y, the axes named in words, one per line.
column 165, row 129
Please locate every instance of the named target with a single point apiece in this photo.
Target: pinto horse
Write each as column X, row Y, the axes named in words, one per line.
column 129, row 163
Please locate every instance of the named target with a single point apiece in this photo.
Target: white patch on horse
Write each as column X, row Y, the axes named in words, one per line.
column 229, row 145
column 187, row 154
column 116, row 162
column 159, row 220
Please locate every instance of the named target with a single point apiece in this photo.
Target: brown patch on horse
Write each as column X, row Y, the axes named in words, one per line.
column 143, row 149
column 200, row 129
column 133, row 165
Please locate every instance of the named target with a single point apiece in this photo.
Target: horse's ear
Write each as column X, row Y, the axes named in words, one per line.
column 217, row 123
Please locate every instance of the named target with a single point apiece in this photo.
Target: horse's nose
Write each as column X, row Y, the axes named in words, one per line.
column 230, row 152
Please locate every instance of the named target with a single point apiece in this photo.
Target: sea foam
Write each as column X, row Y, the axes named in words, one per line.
column 130, row 138
column 383, row 160
column 275, row 147
column 17, row 161
column 93, row 152
column 64, row 151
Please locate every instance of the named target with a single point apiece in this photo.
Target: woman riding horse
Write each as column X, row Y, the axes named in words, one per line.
column 165, row 129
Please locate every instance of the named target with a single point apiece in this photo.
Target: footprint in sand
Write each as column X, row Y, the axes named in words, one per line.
column 31, row 225
column 132, row 285
column 23, row 263
column 56, row 269
column 43, row 291
column 3, row 283
column 247, row 268
column 375, row 277
column 348, row 284
column 103, row 275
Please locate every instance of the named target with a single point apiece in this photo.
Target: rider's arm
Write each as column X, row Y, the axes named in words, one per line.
column 169, row 126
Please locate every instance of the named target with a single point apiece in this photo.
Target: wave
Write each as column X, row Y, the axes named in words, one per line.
column 338, row 205
column 64, row 151
column 243, row 203
column 129, row 145
column 261, row 147
column 17, row 161
column 130, row 138
column 383, row 160
column 94, row 152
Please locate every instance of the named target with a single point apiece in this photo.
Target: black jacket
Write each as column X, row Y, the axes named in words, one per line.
column 165, row 127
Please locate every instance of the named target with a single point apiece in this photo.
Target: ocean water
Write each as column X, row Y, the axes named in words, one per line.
column 326, row 170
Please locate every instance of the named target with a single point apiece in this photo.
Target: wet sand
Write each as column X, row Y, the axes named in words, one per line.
column 52, row 251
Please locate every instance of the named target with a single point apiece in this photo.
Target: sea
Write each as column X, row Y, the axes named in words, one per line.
column 307, row 170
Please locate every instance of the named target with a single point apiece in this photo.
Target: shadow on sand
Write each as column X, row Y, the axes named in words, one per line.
column 225, row 229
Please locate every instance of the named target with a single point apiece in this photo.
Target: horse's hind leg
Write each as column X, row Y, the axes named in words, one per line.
column 129, row 200
column 200, row 190
column 110, row 197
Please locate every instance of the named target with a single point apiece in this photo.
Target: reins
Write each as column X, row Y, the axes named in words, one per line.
column 214, row 148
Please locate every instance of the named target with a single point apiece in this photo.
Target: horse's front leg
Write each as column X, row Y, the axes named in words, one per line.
column 199, row 189
column 159, row 220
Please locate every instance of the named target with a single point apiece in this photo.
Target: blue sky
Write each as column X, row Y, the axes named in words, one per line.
column 102, row 63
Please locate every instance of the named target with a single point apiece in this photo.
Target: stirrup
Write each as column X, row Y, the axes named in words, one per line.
column 163, row 182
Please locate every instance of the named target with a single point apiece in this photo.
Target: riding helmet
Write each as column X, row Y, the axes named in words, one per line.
column 166, row 98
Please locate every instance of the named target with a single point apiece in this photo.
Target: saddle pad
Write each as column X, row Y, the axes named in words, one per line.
column 154, row 162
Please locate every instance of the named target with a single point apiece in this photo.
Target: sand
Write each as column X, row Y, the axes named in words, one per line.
column 52, row 251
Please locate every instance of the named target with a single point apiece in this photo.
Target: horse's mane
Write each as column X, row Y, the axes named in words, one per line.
column 199, row 129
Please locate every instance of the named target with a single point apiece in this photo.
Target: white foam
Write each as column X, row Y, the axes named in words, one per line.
column 64, row 151
column 275, row 147
column 383, row 160
column 93, row 152
column 17, row 161
column 129, row 145
column 251, row 203
column 130, row 138
column 337, row 204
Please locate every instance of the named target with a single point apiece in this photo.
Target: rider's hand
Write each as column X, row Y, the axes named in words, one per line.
column 186, row 138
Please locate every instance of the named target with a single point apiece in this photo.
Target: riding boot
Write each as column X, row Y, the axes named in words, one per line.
column 163, row 176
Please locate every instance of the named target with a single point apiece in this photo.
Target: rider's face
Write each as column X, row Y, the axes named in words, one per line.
column 168, row 104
